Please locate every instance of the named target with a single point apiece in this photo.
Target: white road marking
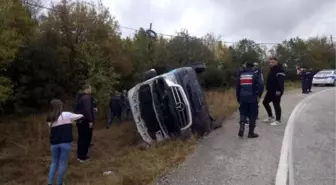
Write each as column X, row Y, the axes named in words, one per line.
column 285, row 167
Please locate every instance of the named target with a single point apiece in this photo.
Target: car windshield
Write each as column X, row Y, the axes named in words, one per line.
column 324, row 72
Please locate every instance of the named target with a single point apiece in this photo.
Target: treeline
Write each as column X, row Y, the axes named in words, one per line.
column 46, row 53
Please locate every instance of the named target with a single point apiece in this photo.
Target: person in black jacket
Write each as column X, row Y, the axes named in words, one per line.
column 95, row 110
column 115, row 107
column 275, row 89
column 85, row 106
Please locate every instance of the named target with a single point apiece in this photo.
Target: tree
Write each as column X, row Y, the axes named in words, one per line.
column 50, row 54
column 248, row 50
column 184, row 49
column 75, row 44
column 321, row 53
column 16, row 25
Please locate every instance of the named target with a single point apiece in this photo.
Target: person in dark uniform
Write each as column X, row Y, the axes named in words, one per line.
column 126, row 106
column 304, row 80
column 242, row 68
column 310, row 79
column 275, row 87
column 84, row 105
column 257, row 70
column 248, row 89
column 115, row 107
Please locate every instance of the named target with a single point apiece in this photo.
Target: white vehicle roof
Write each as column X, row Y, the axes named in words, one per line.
column 328, row 70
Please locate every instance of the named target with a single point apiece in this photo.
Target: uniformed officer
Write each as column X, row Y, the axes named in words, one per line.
column 257, row 70
column 126, row 110
column 310, row 79
column 248, row 90
column 304, row 80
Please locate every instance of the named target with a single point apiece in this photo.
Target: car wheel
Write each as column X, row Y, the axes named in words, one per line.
column 334, row 84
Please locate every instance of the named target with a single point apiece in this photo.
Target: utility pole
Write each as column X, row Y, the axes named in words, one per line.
column 152, row 36
column 151, row 46
column 332, row 42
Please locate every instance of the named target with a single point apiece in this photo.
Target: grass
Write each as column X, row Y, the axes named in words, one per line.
column 25, row 154
column 222, row 103
column 292, row 85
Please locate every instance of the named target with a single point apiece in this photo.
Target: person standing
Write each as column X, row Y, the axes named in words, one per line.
column 304, row 80
column 275, row 86
column 257, row 71
column 84, row 106
column 61, row 136
column 310, row 79
column 126, row 105
column 248, row 90
column 115, row 109
column 95, row 110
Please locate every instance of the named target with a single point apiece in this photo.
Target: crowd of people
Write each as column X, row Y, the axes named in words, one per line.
column 61, row 127
column 249, row 89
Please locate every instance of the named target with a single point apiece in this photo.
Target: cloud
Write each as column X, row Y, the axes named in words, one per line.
column 260, row 20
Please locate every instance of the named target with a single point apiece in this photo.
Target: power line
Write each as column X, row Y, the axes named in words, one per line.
column 136, row 30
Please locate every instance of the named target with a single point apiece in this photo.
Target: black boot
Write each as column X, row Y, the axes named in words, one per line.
column 241, row 129
column 251, row 133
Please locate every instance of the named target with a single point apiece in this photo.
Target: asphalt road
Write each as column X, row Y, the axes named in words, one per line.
column 223, row 158
column 313, row 148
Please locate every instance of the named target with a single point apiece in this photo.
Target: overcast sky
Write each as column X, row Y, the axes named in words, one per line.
column 260, row 20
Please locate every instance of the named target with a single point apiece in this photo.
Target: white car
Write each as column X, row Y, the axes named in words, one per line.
column 325, row 77
column 169, row 105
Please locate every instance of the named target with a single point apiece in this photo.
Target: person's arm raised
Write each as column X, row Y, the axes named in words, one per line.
column 74, row 117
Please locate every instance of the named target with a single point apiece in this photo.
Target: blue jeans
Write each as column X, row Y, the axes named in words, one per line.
column 60, row 155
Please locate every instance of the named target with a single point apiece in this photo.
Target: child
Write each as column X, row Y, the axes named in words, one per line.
column 60, row 124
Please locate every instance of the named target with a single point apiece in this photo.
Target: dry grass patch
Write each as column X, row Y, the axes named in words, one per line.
column 222, row 103
column 292, row 85
column 25, row 153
